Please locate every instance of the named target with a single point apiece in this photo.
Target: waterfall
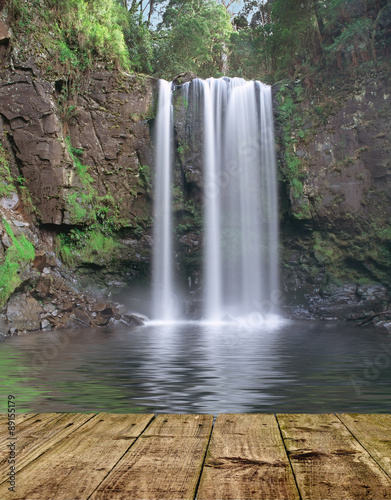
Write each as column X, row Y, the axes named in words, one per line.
column 240, row 269
column 249, row 229
column 163, row 259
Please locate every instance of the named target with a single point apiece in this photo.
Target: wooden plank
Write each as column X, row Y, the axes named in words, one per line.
column 164, row 464
column 246, row 459
column 373, row 432
column 328, row 462
column 35, row 436
column 76, row 465
column 3, row 419
column 20, row 417
column 20, row 423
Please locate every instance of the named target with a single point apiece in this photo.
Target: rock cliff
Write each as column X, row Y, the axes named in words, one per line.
column 336, row 163
column 75, row 194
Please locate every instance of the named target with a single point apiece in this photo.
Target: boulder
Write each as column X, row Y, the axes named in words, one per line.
column 24, row 313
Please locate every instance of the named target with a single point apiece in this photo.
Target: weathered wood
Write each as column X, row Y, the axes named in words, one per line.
column 328, row 462
column 373, row 432
column 20, row 423
column 3, row 420
column 77, row 464
column 86, row 456
column 165, row 463
column 246, row 459
column 20, row 417
column 36, row 435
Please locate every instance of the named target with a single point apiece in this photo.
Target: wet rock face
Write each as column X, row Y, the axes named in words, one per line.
column 108, row 123
column 189, row 135
column 350, row 156
column 28, row 115
column 341, row 240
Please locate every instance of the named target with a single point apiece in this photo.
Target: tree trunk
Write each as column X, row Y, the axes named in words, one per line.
column 151, row 7
column 374, row 26
column 319, row 26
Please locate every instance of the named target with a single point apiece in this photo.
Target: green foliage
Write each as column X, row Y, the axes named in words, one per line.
column 352, row 45
column 93, row 241
column 248, row 57
column 6, row 181
column 81, row 201
column 88, row 246
column 272, row 39
column 145, row 178
column 139, row 41
column 290, row 39
column 291, row 122
column 193, row 37
column 76, row 33
column 17, row 256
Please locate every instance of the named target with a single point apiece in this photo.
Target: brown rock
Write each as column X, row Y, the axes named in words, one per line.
column 4, row 33
column 40, row 260
column 102, row 320
column 82, row 318
column 99, row 307
column 24, row 313
column 42, row 289
column 10, row 202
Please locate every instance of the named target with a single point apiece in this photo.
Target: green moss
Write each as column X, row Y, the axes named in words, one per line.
column 145, row 178
column 86, row 247
column 325, row 251
column 82, row 202
column 6, row 181
column 16, row 257
column 80, row 207
column 362, row 255
column 292, row 123
column 76, row 33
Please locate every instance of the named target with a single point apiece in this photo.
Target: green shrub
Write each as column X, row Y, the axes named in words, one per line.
column 6, row 181
column 86, row 247
column 17, row 256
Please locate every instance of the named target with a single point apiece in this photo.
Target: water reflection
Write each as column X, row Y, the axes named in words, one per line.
column 194, row 367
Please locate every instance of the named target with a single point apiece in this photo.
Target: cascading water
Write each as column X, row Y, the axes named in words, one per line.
column 241, row 213
column 240, row 197
column 163, row 259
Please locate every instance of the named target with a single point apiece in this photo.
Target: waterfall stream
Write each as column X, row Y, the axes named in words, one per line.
column 163, row 258
column 240, row 263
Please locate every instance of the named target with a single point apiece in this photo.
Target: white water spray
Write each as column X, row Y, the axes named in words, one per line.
column 163, row 258
column 241, row 275
column 241, row 211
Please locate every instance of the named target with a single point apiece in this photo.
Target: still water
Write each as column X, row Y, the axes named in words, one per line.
column 196, row 368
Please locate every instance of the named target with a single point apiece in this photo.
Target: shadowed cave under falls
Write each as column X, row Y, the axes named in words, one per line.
column 240, row 207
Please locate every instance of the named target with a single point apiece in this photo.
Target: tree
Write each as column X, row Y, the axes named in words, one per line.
column 193, row 36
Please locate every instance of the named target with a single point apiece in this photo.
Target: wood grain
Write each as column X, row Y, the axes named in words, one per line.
column 76, row 465
column 328, row 462
column 165, row 463
column 247, row 460
column 36, row 435
column 128, row 457
column 374, row 433
column 20, row 417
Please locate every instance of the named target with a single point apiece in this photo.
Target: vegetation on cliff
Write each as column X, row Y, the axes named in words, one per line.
column 19, row 254
column 72, row 35
column 267, row 39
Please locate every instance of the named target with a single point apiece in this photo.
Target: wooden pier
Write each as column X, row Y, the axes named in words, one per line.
column 75, row 456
